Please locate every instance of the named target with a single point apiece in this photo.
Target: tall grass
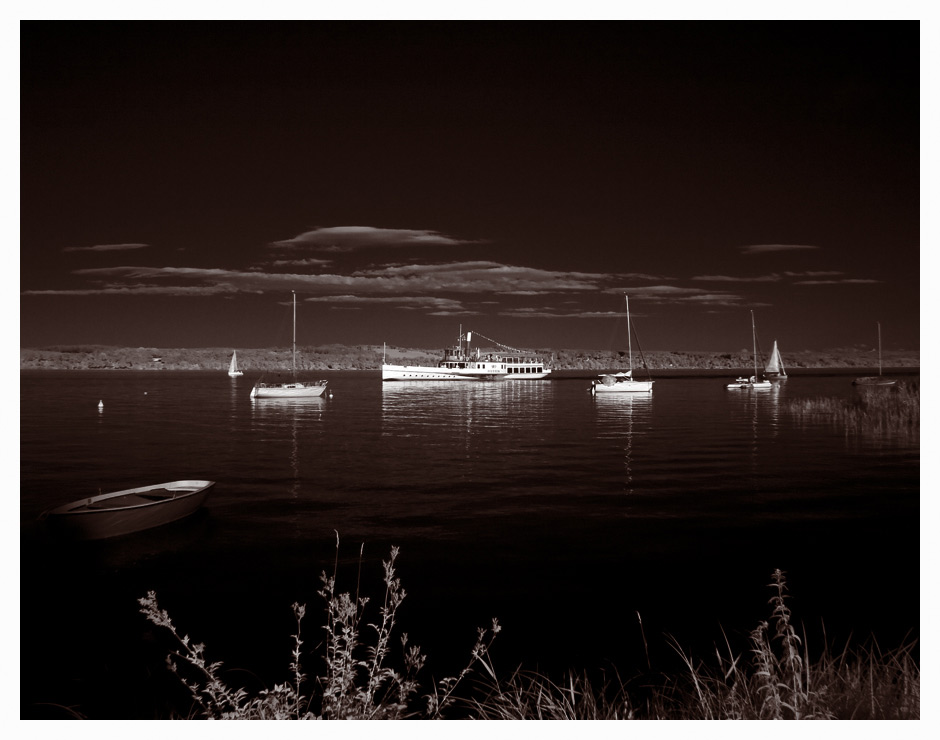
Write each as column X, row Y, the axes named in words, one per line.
column 876, row 411
column 775, row 679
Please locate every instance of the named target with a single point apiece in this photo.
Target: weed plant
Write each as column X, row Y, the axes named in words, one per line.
column 876, row 411
column 775, row 679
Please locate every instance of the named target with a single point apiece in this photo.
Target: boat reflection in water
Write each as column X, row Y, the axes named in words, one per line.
column 620, row 418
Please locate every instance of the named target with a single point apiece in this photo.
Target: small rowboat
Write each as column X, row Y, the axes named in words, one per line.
column 131, row 510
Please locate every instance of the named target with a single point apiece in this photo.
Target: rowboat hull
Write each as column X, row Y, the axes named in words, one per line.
column 128, row 511
column 289, row 390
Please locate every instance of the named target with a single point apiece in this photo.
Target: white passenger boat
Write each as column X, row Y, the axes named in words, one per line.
column 623, row 382
column 460, row 362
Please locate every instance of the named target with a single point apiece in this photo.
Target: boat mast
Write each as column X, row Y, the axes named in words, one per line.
column 879, row 348
column 629, row 340
column 754, row 337
column 293, row 348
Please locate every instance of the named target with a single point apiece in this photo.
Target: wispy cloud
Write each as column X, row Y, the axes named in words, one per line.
column 846, row 281
column 406, row 303
column 761, row 248
column 309, row 262
column 141, row 289
column 814, row 273
column 476, row 277
column 772, row 278
column 106, row 248
column 354, row 238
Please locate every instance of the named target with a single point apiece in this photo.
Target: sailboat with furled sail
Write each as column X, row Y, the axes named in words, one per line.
column 878, row 379
column 754, row 382
column 623, row 382
column 295, row 388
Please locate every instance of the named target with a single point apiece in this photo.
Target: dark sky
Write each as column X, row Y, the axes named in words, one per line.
column 179, row 180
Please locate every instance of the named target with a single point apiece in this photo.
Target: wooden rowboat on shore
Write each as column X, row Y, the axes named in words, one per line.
column 130, row 510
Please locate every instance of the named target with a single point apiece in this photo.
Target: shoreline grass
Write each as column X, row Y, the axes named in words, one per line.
column 877, row 411
column 360, row 678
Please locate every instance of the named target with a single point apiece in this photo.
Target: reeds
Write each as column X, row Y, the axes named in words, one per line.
column 358, row 680
column 774, row 679
column 876, row 411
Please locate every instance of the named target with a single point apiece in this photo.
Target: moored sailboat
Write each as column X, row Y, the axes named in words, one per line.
column 623, row 382
column 774, row 370
column 295, row 388
column 754, row 381
column 233, row 371
column 878, row 379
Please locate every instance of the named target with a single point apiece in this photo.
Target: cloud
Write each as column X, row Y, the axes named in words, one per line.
column 106, row 248
column 772, row 278
column 475, row 277
column 408, row 303
column 814, row 273
column 309, row 262
column 443, row 288
column 847, row 281
column 354, row 238
column 761, row 248
column 139, row 290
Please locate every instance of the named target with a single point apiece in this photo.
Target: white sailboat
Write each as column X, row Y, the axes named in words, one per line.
column 774, row 370
column 622, row 382
column 233, row 371
column 753, row 381
column 878, row 379
column 296, row 388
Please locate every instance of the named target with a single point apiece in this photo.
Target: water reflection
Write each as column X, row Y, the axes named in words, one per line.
column 469, row 407
column 271, row 408
column 276, row 417
column 617, row 413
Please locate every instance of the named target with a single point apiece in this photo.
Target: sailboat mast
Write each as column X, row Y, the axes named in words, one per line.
column 879, row 348
column 293, row 347
column 629, row 333
column 754, row 337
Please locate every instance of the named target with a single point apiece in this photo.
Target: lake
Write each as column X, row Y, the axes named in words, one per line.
column 567, row 517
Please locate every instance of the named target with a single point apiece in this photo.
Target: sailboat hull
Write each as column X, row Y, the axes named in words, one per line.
column 873, row 380
column 624, row 386
column 289, row 390
column 749, row 383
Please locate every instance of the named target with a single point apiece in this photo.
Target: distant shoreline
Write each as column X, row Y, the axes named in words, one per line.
column 369, row 357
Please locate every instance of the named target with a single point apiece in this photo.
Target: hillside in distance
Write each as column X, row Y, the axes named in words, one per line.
column 369, row 357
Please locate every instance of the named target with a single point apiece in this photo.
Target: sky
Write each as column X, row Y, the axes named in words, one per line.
column 178, row 180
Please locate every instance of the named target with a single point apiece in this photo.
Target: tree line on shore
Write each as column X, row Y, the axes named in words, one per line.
column 370, row 357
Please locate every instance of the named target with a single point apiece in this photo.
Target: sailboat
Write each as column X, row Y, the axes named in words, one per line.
column 753, row 381
column 233, row 371
column 878, row 379
column 623, row 382
column 774, row 370
column 296, row 388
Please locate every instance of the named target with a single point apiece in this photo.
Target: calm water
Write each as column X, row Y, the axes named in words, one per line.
column 561, row 514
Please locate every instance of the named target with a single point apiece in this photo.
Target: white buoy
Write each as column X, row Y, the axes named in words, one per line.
column 100, row 405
